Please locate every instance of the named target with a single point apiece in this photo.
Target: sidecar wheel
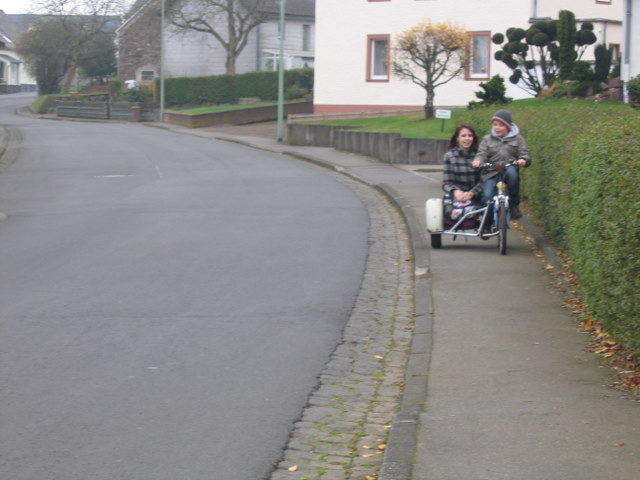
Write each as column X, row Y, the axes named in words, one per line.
column 436, row 240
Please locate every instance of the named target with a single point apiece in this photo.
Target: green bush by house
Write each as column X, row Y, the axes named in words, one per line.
column 228, row 89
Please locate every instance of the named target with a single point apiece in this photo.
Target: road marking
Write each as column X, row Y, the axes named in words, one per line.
column 113, row 176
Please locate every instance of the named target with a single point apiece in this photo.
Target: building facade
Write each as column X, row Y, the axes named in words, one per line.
column 194, row 54
column 14, row 76
column 360, row 77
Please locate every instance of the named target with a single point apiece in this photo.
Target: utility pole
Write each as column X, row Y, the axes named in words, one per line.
column 162, row 2
column 281, row 74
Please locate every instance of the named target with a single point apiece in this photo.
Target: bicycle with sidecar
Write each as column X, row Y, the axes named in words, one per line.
column 467, row 221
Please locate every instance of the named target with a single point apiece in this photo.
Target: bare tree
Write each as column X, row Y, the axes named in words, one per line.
column 80, row 21
column 230, row 22
column 431, row 55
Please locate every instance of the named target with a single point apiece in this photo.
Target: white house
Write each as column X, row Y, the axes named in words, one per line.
column 354, row 38
column 631, row 43
column 14, row 76
column 192, row 54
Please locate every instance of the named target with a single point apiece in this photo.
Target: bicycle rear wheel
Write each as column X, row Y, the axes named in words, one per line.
column 503, row 225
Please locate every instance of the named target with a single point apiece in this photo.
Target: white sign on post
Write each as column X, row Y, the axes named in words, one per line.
column 444, row 114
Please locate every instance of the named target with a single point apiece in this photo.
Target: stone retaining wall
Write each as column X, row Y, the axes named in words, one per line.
column 389, row 147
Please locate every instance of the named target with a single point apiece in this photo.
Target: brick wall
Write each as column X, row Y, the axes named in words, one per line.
column 139, row 43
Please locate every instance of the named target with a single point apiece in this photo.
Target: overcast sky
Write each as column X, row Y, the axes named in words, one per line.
column 25, row 6
column 15, row 6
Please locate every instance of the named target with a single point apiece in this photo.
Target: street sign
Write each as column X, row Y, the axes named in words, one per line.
column 444, row 114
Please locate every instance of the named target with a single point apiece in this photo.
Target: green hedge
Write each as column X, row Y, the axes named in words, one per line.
column 227, row 89
column 583, row 188
column 603, row 233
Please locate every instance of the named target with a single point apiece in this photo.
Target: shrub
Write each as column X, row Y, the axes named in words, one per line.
column 227, row 89
column 115, row 86
column 493, row 92
column 139, row 94
column 582, row 72
column 633, row 88
column 294, row 92
column 602, row 223
column 603, row 60
column 46, row 103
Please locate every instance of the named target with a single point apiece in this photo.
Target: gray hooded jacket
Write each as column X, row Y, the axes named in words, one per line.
column 511, row 147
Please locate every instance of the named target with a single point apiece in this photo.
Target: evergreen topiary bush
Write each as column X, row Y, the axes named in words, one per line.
column 493, row 92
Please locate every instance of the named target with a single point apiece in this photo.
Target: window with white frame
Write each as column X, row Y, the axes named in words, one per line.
column 378, row 58
column 478, row 67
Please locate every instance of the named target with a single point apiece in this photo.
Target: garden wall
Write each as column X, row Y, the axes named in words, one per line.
column 123, row 111
column 236, row 117
column 388, row 147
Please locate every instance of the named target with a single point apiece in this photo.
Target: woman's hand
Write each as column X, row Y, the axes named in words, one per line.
column 475, row 163
column 461, row 196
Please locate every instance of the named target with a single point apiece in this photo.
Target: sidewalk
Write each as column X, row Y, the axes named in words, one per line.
column 498, row 385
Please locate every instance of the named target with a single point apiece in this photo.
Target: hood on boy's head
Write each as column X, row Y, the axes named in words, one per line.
column 505, row 117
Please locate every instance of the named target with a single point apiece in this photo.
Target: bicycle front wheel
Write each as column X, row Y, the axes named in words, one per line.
column 503, row 225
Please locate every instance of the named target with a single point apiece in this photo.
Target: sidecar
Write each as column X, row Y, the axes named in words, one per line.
column 447, row 217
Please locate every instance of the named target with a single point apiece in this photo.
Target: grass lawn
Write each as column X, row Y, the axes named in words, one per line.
column 415, row 126
column 410, row 126
column 220, row 108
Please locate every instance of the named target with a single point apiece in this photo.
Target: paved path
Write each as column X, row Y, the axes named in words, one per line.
column 496, row 382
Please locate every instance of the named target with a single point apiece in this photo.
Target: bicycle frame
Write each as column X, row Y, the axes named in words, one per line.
column 501, row 196
column 499, row 201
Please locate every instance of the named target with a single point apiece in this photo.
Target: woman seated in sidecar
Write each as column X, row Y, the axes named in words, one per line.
column 460, row 181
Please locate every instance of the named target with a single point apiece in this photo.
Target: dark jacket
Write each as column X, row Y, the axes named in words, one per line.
column 457, row 173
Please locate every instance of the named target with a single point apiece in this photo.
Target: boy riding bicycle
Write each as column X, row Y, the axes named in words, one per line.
column 504, row 144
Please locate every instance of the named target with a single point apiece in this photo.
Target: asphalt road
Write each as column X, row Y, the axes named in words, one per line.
column 166, row 302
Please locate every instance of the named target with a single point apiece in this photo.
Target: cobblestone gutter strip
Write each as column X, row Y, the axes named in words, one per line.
column 343, row 431
column 400, row 456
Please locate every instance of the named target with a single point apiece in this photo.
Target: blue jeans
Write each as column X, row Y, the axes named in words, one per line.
column 511, row 178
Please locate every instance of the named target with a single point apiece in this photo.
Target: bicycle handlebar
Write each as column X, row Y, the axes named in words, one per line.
column 498, row 166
